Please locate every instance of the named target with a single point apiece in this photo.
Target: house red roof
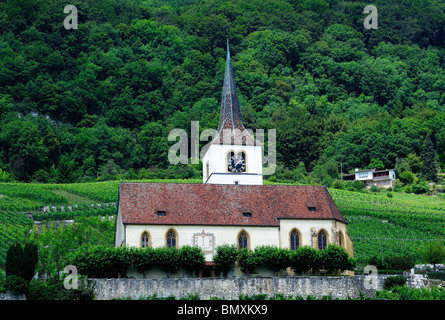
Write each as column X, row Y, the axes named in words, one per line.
column 221, row 204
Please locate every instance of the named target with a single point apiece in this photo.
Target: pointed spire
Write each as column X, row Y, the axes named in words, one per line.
column 230, row 115
column 228, row 50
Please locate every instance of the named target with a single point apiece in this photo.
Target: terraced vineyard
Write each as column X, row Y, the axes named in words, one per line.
column 21, row 197
column 378, row 225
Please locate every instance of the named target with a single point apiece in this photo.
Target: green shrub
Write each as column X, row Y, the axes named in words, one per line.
column 225, row 258
column 280, row 259
column 55, row 290
column 16, row 285
column 335, row 258
column 167, row 258
column 142, row 258
column 247, row 261
column 357, row 185
column 2, row 281
column 393, row 262
column 272, row 257
column 101, row 261
column 21, row 262
column 408, row 177
column 304, row 259
column 338, row 184
column 420, row 187
column 394, row 281
column 191, row 258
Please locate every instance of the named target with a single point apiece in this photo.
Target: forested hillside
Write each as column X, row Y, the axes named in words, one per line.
column 98, row 102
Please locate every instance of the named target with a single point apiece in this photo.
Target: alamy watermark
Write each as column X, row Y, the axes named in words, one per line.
column 70, row 21
column 371, row 21
column 71, row 279
column 179, row 152
column 371, row 277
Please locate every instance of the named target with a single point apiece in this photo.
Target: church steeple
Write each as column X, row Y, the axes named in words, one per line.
column 234, row 156
column 230, row 121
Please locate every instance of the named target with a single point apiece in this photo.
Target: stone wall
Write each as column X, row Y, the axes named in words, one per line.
column 10, row 296
column 231, row 288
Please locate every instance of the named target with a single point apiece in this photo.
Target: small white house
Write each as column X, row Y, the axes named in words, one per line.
column 380, row 178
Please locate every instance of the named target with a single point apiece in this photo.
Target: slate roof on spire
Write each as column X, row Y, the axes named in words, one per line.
column 231, row 129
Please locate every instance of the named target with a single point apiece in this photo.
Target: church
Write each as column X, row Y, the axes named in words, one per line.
column 231, row 206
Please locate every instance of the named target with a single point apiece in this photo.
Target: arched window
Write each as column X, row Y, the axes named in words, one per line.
column 243, row 240
column 294, row 240
column 207, row 170
column 322, row 241
column 145, row 239
column 171, row 239
column 341, row 239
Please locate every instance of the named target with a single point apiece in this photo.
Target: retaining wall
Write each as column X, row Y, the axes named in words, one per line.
column 230, row 288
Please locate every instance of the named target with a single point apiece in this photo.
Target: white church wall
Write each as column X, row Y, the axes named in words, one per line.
column 216, row 158
column 120, row 229
column 234, row 178
column 208, row 237
column 191, row 235
column 304, row 228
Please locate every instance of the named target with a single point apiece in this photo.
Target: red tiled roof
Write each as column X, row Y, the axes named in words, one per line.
column 219, row 204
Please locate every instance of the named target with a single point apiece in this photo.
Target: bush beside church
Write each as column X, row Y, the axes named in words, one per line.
column 163, row 262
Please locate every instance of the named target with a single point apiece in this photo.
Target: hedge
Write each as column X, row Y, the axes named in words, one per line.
column 304, row 259
column 109, row 262
column 395, row 281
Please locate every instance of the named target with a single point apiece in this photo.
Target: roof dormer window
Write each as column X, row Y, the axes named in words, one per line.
column 161, row 213
column 311, row 209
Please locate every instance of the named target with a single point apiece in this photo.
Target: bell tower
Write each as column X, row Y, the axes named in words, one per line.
column 234, row 156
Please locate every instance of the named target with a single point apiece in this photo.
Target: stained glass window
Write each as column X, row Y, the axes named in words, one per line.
column 171, row 239
column 145, row 239
column 242, row 240
column 322, row 240
column 294, row 240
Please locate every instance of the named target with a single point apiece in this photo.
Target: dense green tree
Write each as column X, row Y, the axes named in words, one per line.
column 376, row 164
column 21, row 261
column 111, row 90
column 429, row 165
column 433, row 252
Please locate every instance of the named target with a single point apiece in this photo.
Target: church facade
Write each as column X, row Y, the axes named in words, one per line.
column 231, row 206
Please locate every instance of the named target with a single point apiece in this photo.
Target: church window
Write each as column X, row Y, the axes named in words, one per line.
column 322, row 241
column 294, row 240
column 207, row 170
column 243, row 240
column 341, row 239
column 171, row 239
column 145, row 240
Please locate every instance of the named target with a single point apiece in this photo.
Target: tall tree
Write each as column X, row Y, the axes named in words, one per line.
column 429, row 167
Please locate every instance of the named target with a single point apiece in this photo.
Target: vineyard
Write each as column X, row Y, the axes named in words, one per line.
column 377, row 224
column 13, row 227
